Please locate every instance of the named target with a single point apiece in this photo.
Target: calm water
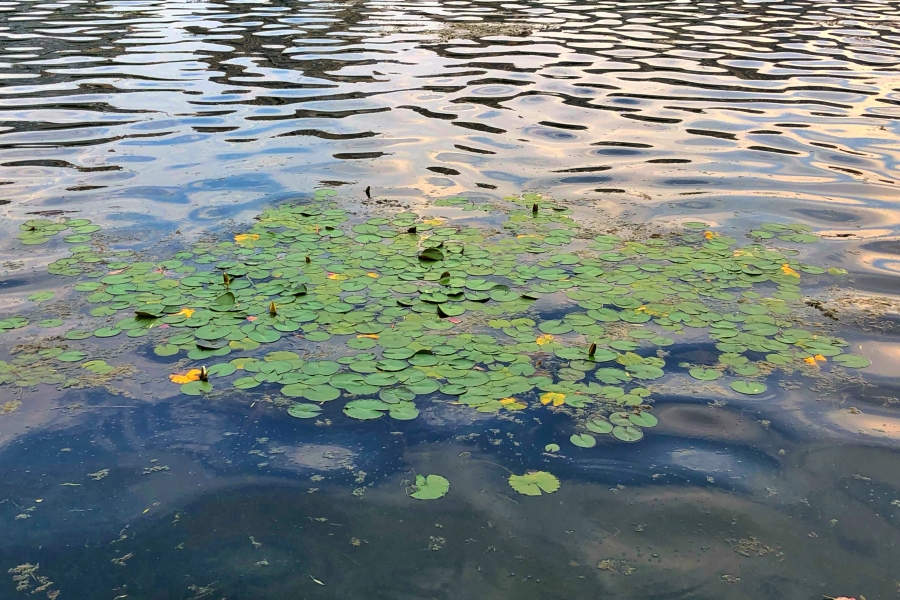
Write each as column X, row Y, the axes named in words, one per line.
column 162, row 121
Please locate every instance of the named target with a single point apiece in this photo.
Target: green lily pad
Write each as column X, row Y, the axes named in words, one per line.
column 166, row 350
column 583, row 440
column 362, row 413
column 321, row 393
column 704, row 374
column 223, row 303
column 627, row 433
column 106, row 332
column 41, row 297
column 404, row 411
column 853, row 361
column 77, row 334
column 222, row 370
column 397, row 395
column 450, row 310
column 195, row 388
column 304, row 411
column 643, row 419
column 597, row 425
column 264, row 335
column 431, row 254
column 533, row 483
column 430, row 487
column 245, row 383
column 555, row 327
column 391, row 365
column 322, row 367
column 293, row 390
column 751, row 388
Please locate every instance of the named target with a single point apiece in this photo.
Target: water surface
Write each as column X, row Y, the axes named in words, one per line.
column 167, row 121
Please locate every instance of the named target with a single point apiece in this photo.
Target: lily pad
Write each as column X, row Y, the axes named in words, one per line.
column 643, row 419
column 77, row 334
column 751, row 388
column 430, row 487
column 533, row 483
column 196, row 388
column 555, row 327
column 223, row 303
column 853, row 361
column 404, row 411
column 106, row 332
column 321, row 393
column 704, row 374
column 597, row 425
column 304, row 411
column 431, row 254
column 583, row 440
column 362, row 413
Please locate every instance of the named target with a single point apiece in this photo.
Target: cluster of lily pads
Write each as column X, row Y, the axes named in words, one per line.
column 391, row 312
column 39, row 231
column 532, row 483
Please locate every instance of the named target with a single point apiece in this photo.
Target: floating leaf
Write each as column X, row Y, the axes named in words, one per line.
column 77, row 334
column 106, row 332
column 195, row 388
column 583, row 440
column 704, row 374
column 72, row 356
column 223, row 303
column 853, row 361
column 321, row 393
column 431, row 254
column 555, row 327
column 304, row 411
column 245, row 383
column 41, row 297
column 643, row 419
column 431, row 487
column 221, row 370
column 751, row 388
column 627, row 433
column 365, row 410
column 532, row 483
column 597, row 425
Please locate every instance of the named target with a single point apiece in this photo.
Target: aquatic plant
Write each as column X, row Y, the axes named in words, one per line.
column 394, row 311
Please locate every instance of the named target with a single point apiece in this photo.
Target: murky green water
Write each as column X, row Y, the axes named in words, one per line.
column 624, row 279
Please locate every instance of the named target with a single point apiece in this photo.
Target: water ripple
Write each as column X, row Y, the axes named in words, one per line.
column 99, row 100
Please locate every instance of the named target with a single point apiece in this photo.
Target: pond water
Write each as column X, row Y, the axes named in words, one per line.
column 622, row 274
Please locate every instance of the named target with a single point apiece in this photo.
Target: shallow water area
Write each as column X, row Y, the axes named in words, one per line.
column 624, row 280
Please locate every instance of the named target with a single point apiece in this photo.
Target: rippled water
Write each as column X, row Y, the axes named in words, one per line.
column 170, row 111
column 166, row 119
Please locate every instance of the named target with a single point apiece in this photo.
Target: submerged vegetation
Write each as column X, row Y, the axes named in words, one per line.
column 393, row 312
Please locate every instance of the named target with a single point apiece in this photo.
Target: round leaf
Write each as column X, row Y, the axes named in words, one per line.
column 751, row 388
column 431, row 487
column 533, row 483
